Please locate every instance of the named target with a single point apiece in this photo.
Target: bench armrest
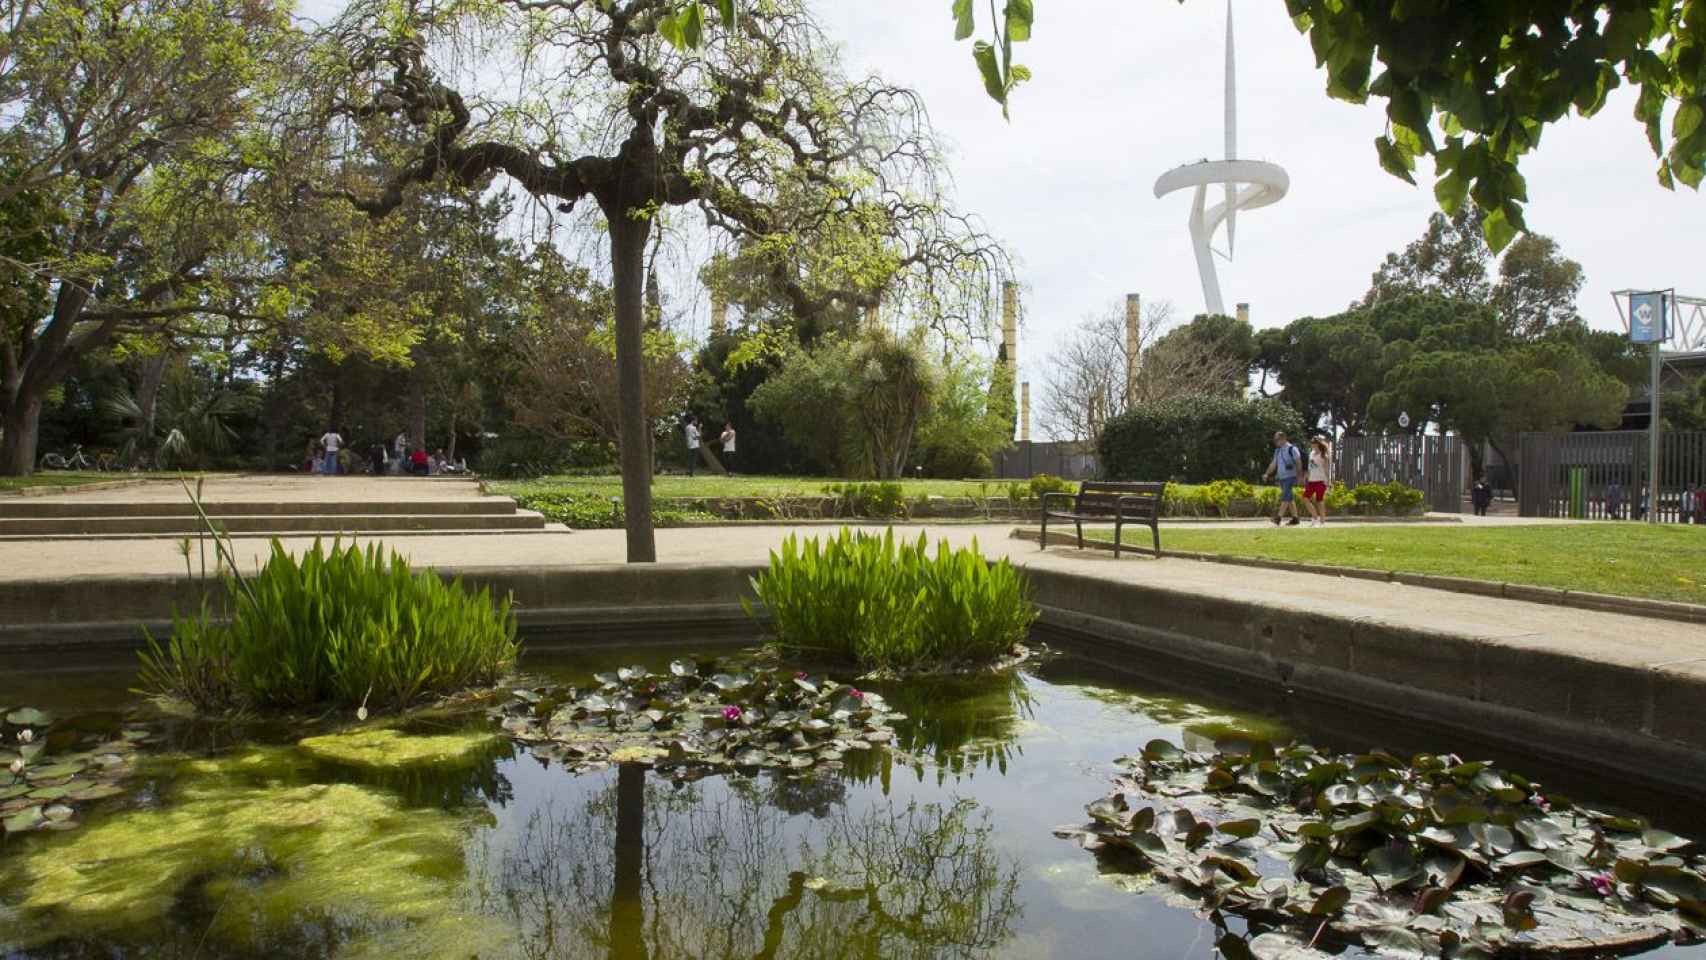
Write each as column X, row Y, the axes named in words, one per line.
column 1071, row 497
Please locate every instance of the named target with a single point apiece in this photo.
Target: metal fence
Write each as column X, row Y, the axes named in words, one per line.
column 1433, row 465
column 1066, row 459
column 1599, row 475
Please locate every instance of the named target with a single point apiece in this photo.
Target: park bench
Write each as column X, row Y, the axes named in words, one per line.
column 1102, row 501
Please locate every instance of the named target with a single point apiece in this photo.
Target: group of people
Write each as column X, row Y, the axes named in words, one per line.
column 1691, row 503
column 396, row 459
column 1288, row 466
column 695, row 439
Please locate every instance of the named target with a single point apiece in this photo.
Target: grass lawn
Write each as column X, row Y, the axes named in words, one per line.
column 706, row 485
column 1630, row 559
column 59, row 478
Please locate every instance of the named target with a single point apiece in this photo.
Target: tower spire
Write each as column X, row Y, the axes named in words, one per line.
column 1231, row 134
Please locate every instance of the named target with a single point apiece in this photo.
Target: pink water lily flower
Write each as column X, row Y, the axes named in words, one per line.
column 801, row 675
column 731, row 713
column 854, row 693
column 1602, row 884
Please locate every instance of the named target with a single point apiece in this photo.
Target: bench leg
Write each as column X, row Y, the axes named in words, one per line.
column 1155, row 531
column 1042, row 541
column 1080, row 525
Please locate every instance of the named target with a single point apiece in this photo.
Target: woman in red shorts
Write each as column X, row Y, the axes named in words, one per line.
column 1320, row 474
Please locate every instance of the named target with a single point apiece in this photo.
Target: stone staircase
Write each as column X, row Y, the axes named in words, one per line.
column 71, row 517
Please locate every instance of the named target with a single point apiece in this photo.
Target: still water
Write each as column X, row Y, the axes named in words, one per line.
column 238, row 843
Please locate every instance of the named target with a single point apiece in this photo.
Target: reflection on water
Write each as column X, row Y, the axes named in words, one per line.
column 941, row 848
column 634, row 868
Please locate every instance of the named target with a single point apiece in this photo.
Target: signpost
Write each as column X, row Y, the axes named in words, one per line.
column 1648, row 324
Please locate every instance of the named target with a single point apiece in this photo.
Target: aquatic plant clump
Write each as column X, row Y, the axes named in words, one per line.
column 43, row 788
column 693, row 721
column 1429, row 857
column 864, row 599
column 346, row 626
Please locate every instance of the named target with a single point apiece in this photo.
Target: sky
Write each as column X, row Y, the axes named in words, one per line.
column 1126, row 89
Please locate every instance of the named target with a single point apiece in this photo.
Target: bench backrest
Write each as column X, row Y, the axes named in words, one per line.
column 1103, row 496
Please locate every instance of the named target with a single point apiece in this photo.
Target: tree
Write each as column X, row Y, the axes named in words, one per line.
column 855, row 405
column 621, row 115
column 1195, row 439
column 1472, row 86
column 960, row 431
column 130, row 119
column 1215, row 352
column 1536, row 287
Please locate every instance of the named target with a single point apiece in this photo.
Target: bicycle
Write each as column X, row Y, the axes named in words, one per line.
column 58, row 461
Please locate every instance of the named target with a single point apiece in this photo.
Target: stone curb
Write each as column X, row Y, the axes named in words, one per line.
column 55, row 491
column 1579, row 599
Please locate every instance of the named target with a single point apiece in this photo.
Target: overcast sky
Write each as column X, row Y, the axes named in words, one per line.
column 1126, row 89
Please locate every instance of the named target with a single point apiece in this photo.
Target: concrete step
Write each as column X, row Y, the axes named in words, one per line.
column 25, row 508
column 299, row 525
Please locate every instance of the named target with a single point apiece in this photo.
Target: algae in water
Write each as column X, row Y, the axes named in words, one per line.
column 383, row 747
column 259, row 860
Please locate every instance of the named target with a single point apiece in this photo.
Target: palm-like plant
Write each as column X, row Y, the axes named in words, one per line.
column 190, row 424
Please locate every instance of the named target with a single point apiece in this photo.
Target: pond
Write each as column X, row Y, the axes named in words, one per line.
column 244, row 843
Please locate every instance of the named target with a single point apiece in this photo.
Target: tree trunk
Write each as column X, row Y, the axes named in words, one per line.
column 20, row 425
column 450, row 451
column 417, row 408
column 628, row 265
column 148, row 391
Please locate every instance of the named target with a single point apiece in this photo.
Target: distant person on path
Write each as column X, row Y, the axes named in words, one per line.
column 1700, row 504
column 401, row 445
column 332, row 441
column 418, row 463
column 1614, row 501
column 1686, row 514
column 692, row 431
column 1481, row 496
column 1284, row 469
column 1320, row 474
column 727, row 439
column 311, row 460
column 376, row 460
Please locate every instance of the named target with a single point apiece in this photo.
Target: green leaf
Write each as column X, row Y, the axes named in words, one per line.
column 990, row 69
column 1330, row 902
column 1498, row 230
column 965, row 19
column 692, row 25
column 1687, row 120
column 669, row 27
column 29, row 717
column 1019, row 17
column 1242, row 829
column 1394, row 160
column 726, row 11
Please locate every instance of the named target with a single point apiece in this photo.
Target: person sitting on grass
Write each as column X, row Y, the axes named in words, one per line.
column 418, row 462
column 1284, row 470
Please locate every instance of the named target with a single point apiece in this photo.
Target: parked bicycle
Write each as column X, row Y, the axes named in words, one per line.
column 59, row 461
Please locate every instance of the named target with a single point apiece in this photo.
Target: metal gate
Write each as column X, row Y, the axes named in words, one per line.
column 1433, row 465
column 1027, row 458
column 1599, row 475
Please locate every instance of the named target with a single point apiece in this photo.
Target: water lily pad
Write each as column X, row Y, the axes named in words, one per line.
column 29, row 717
column 96, row 791
column 15, row 790
column 52, row 771
column 57, row 812
column 51, row 793
column 29, row 818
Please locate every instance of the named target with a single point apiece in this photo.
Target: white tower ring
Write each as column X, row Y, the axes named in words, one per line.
column 1257, row 183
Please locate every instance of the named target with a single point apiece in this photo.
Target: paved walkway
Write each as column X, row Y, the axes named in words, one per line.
column 1605, row 637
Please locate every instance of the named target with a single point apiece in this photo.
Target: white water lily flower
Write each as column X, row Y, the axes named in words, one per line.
column 361, row 714
column 26, row 735
column 18, row 766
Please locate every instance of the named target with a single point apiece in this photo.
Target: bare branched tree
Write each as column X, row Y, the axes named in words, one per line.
column 1085, row 377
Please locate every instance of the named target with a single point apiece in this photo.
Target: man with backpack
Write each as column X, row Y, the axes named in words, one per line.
column 1283, row 468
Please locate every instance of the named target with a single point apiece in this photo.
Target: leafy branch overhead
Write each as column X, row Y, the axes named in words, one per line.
column 1472, row 86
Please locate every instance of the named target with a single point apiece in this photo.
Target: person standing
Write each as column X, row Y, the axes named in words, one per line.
column 1614, row 500
column 332, row 441
column 727, row 438
column 1481, row 496
column 1283, row 469
column 401, row 446
column 692, row 431
column 1700, row 504
column 1320, row 474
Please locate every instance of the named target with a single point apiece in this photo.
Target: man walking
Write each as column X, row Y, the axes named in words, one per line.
column 692, row 430
column 728, row 439
column 1283, row 468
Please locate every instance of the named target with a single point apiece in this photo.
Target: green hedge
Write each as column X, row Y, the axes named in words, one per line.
column 1195, row 439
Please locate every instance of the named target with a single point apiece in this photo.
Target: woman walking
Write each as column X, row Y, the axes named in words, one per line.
column 1320, row 474
column 728, row 440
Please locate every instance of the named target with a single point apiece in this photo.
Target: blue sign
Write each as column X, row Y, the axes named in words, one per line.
column 1647, row 318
